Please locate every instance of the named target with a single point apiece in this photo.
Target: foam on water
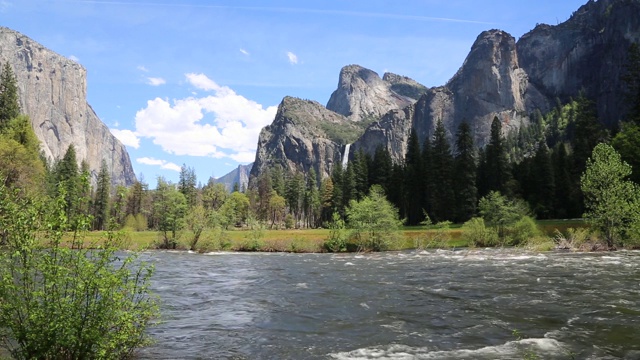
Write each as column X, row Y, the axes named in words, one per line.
column 547, row 348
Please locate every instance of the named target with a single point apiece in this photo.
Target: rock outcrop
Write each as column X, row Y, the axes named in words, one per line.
column 239, row 175
column 304, row 135
column 362, row 95
column 499, row 78
column 53, row 92
column 586, row 53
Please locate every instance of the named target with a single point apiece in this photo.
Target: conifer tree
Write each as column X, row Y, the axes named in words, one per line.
column 428, row 185
column 381, row 169
column 9, row 105
column 497, row 172
column 336, row 198
column 544, row 183
column 187, row 184
column 413, row 180
column 101, row 198
column 466, row 192
column 441, row 174
column 361, row 174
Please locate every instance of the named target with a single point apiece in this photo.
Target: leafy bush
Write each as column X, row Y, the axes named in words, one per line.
column 337, row 240
column 477, row 234
column 374, row 220
column 61, row 303
column 523, row 230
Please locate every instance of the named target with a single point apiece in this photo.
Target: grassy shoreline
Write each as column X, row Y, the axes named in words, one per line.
column 304, row 240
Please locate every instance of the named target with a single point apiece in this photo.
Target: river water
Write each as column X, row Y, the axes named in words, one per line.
column 461, row 304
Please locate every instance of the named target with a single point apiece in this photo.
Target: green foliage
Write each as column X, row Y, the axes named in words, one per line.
column 465, row 170
column 627, row 144
column 187, row 185
column 253, row 240
column 235, row 210
column 101, row 198
column 169, row 208
column 612, row 203
column 59, row 303
column 501, row 213
column 197, row 221
column 337, row 240
column 476, row 233
column 441, row 172
column 9, row 105
column 374, row 220
column 523, row 230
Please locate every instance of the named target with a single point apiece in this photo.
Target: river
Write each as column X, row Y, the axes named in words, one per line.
column 440, row 304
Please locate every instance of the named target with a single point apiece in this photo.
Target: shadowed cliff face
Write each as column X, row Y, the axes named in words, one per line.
column 52, row 92
column 585, row 53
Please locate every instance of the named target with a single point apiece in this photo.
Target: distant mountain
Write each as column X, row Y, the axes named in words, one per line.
column 239, row 175
column 499, row 78
column 53, row 92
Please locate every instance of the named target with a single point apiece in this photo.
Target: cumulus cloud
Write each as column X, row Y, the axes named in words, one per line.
column 244, row 52
column 293, row 58
column 163, row 164
column 127, row 137
column 142, row 68
column 223, row 124
column 156, row 81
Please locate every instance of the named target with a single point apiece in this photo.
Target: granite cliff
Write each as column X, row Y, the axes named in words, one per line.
column 239, row 175
column 53, row 92
column 499, row 78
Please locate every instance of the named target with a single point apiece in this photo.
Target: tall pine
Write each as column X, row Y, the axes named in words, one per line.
column 441, row 172
column 413, row 180
column 466, row 192
column 9, row 105
column 101, row 198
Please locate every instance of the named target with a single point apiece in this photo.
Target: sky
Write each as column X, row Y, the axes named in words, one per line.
column 192, row 82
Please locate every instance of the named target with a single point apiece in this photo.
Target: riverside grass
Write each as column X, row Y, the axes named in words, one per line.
column 308, row 240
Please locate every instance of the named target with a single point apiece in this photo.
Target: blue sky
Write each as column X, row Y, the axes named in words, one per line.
column 193, row 81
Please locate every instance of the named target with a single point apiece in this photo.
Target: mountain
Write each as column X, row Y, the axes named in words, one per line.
column 239, row 175
column 500, row 77
column 53, row 92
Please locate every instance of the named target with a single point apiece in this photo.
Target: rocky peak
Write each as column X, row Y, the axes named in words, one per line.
column 363, row 95
column 404, row 86
column 53, row 92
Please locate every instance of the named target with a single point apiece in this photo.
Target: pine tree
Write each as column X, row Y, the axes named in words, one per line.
column 101, row 198
column 381, row 169
column 497, row 172
column 9, row 105
column 544, row 183
column 361, row 174
column 277, row 179
column 67, row 177
column 441, row 173
column 428, row 185
column 187, row 185
column 336, row 198
column 466, row 192
column 413, row 180
column 349, row 190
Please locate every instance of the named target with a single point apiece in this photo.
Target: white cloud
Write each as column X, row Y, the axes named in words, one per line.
column 244, row 52
column 163, row 164
column 142, row 68
column 156, row 81
column 127, row 137
column 74, row 58
column 293, row 58
column 223, row 124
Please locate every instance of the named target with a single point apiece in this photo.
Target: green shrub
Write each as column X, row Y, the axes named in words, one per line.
column 337, row 240
column 476, row 233
column 523, row 230
column 61, row 303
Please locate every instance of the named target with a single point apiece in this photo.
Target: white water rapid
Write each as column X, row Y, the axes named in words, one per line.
column 345, row 156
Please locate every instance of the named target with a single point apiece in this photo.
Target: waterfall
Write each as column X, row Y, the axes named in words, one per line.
column 345, row 156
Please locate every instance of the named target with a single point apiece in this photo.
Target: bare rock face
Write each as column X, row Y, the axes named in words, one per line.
column 239, row 175
column 490, row 83
column 304, row 135
column 53, row 93
column 586, row 53
column 362, row 95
